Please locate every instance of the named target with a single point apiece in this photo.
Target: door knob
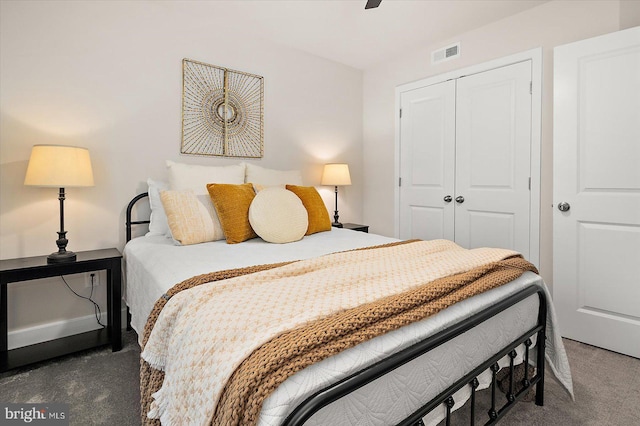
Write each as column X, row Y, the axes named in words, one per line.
column 564, row 207
column 459, row 199
column 448, row 199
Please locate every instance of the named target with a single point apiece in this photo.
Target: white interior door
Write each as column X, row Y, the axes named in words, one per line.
column 596, row 242
column 427, row 151
column 493, row 157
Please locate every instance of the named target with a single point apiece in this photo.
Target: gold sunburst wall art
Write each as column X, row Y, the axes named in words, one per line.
column 222, row 111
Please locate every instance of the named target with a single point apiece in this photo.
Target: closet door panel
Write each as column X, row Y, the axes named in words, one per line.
column 427, row 151
column 493, row 140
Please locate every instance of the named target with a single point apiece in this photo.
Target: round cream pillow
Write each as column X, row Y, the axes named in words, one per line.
column 278, row 215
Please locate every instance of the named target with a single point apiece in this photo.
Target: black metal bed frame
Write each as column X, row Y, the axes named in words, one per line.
column 129, row 222
column 337, row 390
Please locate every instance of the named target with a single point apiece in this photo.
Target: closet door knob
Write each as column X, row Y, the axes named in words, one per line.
column 459, row 199
column 448, row 199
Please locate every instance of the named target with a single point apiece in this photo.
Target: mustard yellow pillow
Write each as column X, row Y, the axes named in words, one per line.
column 318, row 215
column 232, row 205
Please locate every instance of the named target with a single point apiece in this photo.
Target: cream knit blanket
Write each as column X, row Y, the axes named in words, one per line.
column 204, row 333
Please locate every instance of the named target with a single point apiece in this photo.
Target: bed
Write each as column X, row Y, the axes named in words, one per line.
column 417, row 374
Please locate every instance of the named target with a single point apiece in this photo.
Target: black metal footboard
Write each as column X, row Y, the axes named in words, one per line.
column 338, row 390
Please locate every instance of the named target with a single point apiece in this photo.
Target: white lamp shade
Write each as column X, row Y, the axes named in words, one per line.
column 336, row 175
column 59, row 166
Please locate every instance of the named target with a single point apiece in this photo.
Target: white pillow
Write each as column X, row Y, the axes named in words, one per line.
column 278, row 216
column 270, row 177
column 195, row 178
column 158, row 219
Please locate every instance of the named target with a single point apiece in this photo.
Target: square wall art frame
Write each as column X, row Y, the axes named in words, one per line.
column 222, row 111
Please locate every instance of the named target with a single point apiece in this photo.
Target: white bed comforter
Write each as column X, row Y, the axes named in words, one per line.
column 154, row 265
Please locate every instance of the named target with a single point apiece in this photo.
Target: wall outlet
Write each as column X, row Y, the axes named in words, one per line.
column 87, row 279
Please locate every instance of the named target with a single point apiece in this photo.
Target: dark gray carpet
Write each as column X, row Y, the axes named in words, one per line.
column 102, row 388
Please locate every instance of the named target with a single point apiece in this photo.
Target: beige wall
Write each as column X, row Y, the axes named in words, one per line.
column 547, row 26
column 629, row 14
column 108, row 76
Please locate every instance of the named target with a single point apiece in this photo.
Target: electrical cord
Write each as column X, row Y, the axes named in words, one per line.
column 96, row 307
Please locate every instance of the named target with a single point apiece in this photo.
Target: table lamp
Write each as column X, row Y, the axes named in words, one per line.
column 59, row 166
column 336, row 175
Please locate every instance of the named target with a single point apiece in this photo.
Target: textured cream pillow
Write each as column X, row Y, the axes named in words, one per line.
column 191, row 217
column 270, row 177
column 278, row 216
column 188, row 177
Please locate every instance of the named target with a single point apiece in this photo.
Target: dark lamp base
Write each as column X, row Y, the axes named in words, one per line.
column 336, row 225
column 61, row 257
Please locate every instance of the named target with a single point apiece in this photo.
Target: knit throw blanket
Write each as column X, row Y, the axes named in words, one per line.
column 226, row 345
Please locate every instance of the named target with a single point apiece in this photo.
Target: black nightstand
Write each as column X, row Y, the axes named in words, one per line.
column 356, row 227
column 31, row 268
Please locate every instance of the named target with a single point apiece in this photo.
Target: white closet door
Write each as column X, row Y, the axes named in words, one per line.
column 427, row 151
column 596, row 177
column 493, row 152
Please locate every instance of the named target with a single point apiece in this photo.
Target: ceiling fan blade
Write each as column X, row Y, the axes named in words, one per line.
column 371, row 4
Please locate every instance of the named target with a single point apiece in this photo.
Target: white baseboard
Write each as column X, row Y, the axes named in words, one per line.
column 55, row 330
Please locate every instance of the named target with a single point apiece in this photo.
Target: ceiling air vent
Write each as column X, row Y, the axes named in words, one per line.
column 446, row 53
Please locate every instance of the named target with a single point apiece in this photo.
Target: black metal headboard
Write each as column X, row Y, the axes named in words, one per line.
column 130, row 209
